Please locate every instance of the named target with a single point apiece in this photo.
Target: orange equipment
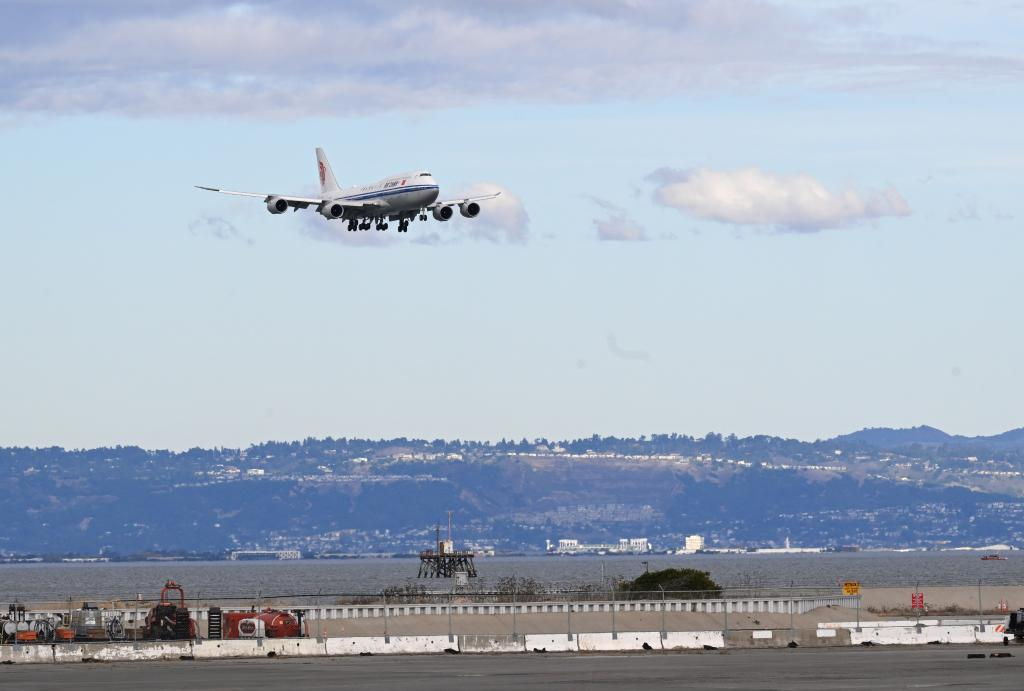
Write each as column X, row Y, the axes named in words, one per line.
column 270, row 623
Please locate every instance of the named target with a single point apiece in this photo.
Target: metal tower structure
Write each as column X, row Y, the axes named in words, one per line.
column 445, row 561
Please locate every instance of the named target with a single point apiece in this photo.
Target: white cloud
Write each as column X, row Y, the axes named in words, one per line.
column 618, row 226
column 218, row 227
column 502, row 219
column 292, row 58
column 750, row 196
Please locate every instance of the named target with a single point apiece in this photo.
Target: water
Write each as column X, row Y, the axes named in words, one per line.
column 34, row 582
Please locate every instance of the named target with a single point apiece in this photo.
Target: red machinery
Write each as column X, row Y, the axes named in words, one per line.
column 270, row 623
column 170, row 621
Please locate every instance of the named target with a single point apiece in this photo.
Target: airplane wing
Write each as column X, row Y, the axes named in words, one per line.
column 464, row 200
column 297, row 202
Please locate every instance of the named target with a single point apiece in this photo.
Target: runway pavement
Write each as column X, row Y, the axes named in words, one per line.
column 932, row 667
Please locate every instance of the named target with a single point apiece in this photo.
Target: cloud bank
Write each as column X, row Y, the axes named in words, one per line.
column 750, row 196
column 292, row 58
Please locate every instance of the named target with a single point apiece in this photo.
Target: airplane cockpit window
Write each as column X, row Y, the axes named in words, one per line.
column 424, row 175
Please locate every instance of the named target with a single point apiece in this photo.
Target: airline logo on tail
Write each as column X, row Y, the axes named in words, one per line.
column 323, row 172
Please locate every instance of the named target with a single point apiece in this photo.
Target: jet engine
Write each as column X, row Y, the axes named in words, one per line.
column 332, row 210
column 469, row 209
column 443, row 213
column 276, row 205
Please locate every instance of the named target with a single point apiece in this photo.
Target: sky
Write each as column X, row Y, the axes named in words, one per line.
column 791, row 218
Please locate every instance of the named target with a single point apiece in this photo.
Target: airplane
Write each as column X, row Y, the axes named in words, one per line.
column 396, row 198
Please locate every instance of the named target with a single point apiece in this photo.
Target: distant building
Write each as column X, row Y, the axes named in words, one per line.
column 263, row 554
column 789, row 549
column 632, row 545
column 694, row 543
column 255, row 472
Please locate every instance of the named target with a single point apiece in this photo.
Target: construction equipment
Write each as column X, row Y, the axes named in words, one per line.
column 87, row 623
column 1015, row 626
column 169, row 621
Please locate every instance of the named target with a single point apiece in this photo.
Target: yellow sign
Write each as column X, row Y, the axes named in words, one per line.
column 851, row 588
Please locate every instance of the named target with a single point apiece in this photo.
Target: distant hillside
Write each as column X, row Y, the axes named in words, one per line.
column 918, row 487
column 889, row 438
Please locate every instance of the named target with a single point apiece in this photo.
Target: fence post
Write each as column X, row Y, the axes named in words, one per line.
column 615, row 633
column 319, row 630
column 981, row 622
column 568, row 618
column 450, row 637
column 664, row 631
column 385, row 596
column 515, row 606
column 725, row 607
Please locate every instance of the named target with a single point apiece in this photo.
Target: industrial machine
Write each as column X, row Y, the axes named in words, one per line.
column 18, row 627
column 167, row 620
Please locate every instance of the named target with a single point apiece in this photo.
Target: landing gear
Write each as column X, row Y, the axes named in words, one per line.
column 381, row 224
column 352, row 224
column 403, row 226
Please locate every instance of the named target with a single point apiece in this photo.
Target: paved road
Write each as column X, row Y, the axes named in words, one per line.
column 823, row 668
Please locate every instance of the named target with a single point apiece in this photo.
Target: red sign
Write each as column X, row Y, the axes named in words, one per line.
column 917, row 601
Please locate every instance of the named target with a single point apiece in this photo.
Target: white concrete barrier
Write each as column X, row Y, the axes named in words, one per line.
column 693, row 639
column 761, row 633
column 470, row 643
column 552, row 642
column 629, row 640
column 377, row 645
column 912, row 635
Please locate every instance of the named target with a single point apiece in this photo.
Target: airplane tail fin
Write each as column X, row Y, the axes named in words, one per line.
column 327, row 182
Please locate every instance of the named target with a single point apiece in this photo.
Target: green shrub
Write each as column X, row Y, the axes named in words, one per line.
column 673, row 580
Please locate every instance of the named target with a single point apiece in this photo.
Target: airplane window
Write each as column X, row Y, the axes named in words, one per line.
column 424, row 175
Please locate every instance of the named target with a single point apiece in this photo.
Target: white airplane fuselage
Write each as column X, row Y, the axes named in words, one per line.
column 398, row 194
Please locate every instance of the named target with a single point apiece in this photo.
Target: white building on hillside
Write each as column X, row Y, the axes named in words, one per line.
column 694, row 543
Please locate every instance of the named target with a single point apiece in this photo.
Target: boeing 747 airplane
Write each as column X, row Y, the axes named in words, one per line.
column 397, row 198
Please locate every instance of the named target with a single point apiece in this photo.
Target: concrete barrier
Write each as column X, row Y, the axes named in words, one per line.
column 764, row 634
column 379, row 645
column 491, row 644
column 552, row 642
column 628, row 640
column 693, row 639
column 913, row 635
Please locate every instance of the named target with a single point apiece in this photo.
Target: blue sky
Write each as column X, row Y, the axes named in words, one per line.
column 749, row 217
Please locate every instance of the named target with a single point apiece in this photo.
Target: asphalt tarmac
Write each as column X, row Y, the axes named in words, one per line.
column 931, row 667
